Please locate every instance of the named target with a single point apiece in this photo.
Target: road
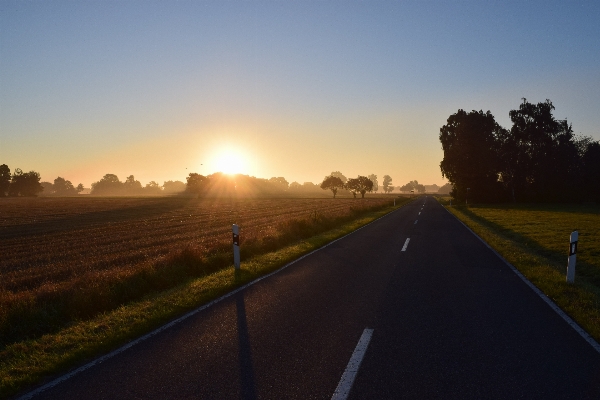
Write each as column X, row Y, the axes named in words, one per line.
column 446, row 317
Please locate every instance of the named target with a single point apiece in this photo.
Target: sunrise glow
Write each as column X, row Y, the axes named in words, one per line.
column 229, row 161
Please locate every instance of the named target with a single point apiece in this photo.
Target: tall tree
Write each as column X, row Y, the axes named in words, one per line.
column 471, row 158
column 332, row 183
column 108, row 185
column 4, row 179
column 591, row 171
column 132, row 186
column 63, row 187
column 373, row 179
column 361, row 185
column 339, row 175
column 197, row 183
column 538, row 154
column 387, row 181
column 25, row 183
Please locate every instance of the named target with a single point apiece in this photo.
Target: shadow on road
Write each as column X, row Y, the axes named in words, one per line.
column 245, row 353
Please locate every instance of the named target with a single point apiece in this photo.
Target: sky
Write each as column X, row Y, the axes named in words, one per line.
column 159, row 89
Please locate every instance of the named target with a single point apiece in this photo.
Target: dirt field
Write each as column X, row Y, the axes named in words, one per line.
column 65, row 258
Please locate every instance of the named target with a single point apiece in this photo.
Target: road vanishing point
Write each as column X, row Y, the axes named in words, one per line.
column 411, row 306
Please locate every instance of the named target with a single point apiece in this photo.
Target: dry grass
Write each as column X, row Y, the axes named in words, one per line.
column 67, row 259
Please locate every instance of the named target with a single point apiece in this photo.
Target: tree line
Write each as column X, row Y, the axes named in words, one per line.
column 538, row 159
column 19, row 183
column 361, row 184
column 110, row 185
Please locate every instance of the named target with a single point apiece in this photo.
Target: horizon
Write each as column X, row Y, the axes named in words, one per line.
column 158, row 90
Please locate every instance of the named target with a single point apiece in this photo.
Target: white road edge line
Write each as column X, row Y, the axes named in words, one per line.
column 586, row 336
column 405, row 244
column 419, row 212
column 343, row 388
column 416, row 220
column 113, row 353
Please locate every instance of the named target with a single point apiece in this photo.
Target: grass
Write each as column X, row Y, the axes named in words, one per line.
column 32, row 361
column 535, row 240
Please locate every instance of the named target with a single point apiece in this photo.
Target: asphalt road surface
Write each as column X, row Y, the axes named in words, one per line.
column 446, row 319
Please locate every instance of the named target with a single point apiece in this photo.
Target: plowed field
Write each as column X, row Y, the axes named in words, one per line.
column 55, row 252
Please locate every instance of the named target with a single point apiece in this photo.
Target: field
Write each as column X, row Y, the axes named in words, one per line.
column 535, row 239
column 70, row 259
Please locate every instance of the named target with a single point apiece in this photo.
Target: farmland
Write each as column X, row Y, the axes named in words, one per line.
column 68, row 259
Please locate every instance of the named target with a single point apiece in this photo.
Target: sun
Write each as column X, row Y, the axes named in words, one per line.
column 229, row 162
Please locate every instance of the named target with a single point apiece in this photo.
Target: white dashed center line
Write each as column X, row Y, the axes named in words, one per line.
column 343, row 389
column 405, row 244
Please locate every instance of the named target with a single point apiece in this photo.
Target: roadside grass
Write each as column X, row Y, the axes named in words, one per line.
column 36, row 361
column 535, row 240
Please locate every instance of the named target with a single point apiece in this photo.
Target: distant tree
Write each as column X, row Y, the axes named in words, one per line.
column 373, row 179
column 25, row 183
column 413, row 185
column 63, row 187
column 279, row 182
column 387, row 181
column 173, row 187
column 339, row 175
column 197, row 183
column 152, row 188
column 332, row 183
column 390, row 189
column 80, row 188
column 361, row 185
column 108, row 185
column 4, row 179
column 131, row 186
column 48, row 188
column 295, row 186
column 445, row 189
column 310, row 187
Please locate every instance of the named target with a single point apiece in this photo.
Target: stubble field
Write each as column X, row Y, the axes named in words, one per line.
column 67, row 259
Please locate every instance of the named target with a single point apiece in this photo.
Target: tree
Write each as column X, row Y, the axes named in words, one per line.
column 196, row 183
column 25, row 183
column 413, row 185
column 390, row 189
column 108, row 185
column 4, row 179
column 471, row 159
column 446, row 189
column 173, row 187
column 295, row 186
column 361, row 185
column 131, row 186
column 279, row 182
column 63, row 187
column 332, row 183
column 539, row 155
column 591, row 171
column 339, row 175
column 48, row 188
column 387, row 181
column 80, row 188
column 152, row 188
column 373, row 179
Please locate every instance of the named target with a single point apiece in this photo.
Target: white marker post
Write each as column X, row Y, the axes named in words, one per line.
column 236, row 246
column 572, row 257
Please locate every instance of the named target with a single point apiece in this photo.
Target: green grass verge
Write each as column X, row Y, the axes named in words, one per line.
column 35, row 361
column 535, row 240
